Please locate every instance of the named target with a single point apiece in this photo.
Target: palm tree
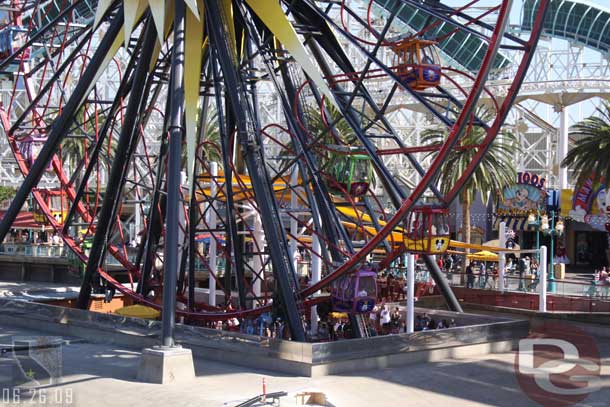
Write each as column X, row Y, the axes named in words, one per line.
column 590, row 156
column 494, row 172
column 211, row 137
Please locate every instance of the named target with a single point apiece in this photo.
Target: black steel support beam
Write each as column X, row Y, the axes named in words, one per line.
column 172, row 218
column 126, row 144
column 442, row 284
column 60, row 126
column 249, row 140
column 94, row 152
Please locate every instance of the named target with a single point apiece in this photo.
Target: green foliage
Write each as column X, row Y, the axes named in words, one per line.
column 211, row 137
column 495, row 170
column 590, row 155
column 6, row 193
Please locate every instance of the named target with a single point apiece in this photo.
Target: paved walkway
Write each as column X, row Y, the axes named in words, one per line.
column 104, row 375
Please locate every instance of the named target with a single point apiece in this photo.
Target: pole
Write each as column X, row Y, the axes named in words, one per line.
column 212, row 226
column 410, row 293
column 258, row 234
column 538, row 223
column 316, row 273
column 562, row 147
column 552, row 270
column 501, row 256
column 173, row 179
column 542, row 286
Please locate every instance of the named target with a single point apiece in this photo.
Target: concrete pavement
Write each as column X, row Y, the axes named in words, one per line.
column 102, row 375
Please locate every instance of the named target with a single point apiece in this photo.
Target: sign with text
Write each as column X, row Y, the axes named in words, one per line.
column 528, row 194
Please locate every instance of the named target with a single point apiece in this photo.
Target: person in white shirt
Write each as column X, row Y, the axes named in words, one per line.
column 385, row 318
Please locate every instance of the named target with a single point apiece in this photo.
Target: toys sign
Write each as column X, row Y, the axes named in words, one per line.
column 526, row 195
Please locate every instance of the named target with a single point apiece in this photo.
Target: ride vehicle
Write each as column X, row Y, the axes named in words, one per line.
column 427, row 230
column 418, row 63
column 355, row 292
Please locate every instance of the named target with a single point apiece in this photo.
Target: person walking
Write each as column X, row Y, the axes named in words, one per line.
column 521, row 267
column 469, row 276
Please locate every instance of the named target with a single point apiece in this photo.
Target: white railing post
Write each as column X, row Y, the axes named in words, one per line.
column 542, row 283
column 410, row 292
column 501, row 256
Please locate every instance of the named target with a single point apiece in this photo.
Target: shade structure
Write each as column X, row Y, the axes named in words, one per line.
column 483, row 256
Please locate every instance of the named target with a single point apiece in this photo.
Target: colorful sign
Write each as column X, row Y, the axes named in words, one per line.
column 526, row 195
column 588, row 204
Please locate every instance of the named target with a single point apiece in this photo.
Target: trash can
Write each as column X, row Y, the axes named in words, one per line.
column 560, row 271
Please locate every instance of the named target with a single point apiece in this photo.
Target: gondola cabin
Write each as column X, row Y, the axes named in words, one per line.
column 13, row 35
column 351, row 173
column 12, row 38
column 418, row 64
column 30, row 147
column 427, row 230
column 356, row 292
column 57, row 203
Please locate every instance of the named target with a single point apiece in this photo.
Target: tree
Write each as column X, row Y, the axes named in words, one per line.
column 6, row 193
column 494, row 172
column 590, row 156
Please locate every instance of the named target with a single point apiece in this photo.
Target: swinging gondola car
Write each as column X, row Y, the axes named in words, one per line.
column 57, row 202
column 418, row 64
column 355, row 292
column 11, row 39
column 30, row 147
column 351, row 172
column 427, row 230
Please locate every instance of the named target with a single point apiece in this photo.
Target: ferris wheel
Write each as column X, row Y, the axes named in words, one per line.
column 180, row 152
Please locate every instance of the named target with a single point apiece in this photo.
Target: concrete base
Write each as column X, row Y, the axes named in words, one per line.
column 166, row 365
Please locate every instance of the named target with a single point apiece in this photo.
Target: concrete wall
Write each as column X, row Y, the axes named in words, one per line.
column 481, row 334
column 26, row 268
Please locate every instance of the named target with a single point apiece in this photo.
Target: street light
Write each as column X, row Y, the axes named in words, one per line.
column 533, row 219
column 555, row 230
column 541, row 222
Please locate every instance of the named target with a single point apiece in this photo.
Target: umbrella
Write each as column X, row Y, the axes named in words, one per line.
column 483, row 256
column 496, row 243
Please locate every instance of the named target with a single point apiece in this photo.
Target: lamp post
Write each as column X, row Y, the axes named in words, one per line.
column 555, row 230
column 533, row 219
column 541, row 222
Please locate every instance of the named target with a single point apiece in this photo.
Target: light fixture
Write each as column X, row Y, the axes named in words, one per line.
column 544, row 222
column 531, row 218
column 559, row 226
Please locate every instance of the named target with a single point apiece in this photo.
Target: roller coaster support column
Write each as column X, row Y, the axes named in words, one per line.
column 212, row 226
column 502, row 257
column 316, row 274
column 542, row 286
column 410, row 308
column 443, row 286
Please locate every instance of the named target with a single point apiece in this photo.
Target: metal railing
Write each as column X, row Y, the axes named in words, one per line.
column 32, row 250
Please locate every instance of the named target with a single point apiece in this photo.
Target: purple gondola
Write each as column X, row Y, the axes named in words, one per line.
column 356, row 292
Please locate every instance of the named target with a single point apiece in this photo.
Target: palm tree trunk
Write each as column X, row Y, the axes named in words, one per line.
column 466, row 206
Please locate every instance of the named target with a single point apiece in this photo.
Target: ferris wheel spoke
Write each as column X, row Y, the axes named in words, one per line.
column 125, row 149
column 58, row 131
